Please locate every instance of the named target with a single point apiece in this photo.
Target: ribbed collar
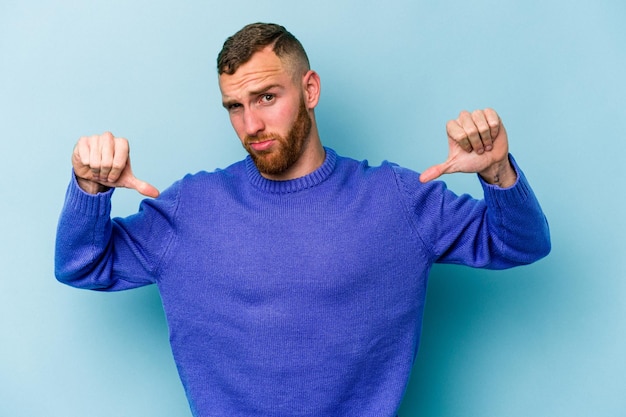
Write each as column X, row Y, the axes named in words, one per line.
column 295, row 185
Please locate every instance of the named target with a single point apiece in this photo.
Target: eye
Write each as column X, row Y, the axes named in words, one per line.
column 267, row 98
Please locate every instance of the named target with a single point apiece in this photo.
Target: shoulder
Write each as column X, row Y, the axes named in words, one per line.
column 228, row 175
column 202, row 185
column 363, row 169
column 388, row 180
column 389, row 174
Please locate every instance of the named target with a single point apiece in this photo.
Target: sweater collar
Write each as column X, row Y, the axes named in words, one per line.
column 294, row 185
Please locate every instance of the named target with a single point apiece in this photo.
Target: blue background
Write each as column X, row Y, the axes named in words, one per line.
column 544, row 340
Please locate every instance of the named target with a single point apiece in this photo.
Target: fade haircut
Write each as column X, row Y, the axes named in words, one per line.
column 239, row 48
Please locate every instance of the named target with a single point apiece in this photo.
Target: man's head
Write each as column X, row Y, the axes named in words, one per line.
column 239, row 48
column 270, row 93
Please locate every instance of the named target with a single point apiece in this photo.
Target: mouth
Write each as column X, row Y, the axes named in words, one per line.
column 262, row 145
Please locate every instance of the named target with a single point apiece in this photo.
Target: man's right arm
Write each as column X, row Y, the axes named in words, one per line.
column 86, row 235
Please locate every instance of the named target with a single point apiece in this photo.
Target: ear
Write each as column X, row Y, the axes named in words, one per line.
column 312, row 87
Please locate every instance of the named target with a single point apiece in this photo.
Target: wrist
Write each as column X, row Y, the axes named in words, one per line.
column 501, row 174
column 91, row 187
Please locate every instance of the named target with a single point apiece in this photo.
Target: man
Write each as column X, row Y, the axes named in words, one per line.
column 293, row 281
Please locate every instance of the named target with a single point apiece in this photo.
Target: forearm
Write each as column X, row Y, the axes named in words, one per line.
column 519, row 229
column 83, row 234
column 96, row 252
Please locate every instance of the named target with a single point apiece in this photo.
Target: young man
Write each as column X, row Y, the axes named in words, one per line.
column 293, row 281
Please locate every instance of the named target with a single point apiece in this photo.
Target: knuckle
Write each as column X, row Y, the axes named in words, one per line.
column 459, row 138
column 118, row 166
column 494, row 122
column 464, row 113
column 471, row 131
column 86, row 141
column 122, row 144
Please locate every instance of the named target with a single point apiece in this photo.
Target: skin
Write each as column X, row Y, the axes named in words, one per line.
column 477, row 143
column 102, row 162
column 263, row 98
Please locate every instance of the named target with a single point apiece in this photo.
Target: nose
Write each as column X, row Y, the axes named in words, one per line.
column 253, row 124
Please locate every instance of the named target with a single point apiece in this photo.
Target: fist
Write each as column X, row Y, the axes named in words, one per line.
column 102, row 161
column 477, row 143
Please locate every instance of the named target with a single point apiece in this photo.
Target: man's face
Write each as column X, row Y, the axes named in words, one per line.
column 268, row 112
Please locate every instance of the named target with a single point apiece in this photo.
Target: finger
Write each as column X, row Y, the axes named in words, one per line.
column 434, row 172
column 128, row 180
column 95, row 156
column 471, row 130
column 107, row 150
column 480, row 120
column 142, row 187
column 80, row 159
column 81, row 153
column 457, row 134
column 494, row 122
column 120, row 159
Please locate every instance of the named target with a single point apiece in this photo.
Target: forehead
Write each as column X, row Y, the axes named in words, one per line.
column 264, row 68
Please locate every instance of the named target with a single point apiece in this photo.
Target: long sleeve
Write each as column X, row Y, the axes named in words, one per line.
column 505, row 229
column 301, row 297
column 96, row 252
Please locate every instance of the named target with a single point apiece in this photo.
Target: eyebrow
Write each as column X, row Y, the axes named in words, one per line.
column 264, row 89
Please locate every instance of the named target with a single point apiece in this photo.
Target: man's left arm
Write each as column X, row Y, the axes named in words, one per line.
column 478, row 143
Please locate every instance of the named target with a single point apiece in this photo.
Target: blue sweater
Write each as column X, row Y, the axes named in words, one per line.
column 295, row 298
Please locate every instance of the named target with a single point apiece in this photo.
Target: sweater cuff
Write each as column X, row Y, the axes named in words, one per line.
column 87, row 204
column 513, row 195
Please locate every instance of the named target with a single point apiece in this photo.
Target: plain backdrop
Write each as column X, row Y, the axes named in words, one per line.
column 543, row 340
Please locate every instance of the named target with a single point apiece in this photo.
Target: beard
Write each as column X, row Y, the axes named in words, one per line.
column 290, row 147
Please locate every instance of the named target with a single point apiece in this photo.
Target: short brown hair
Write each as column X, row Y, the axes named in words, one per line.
column 239, row 48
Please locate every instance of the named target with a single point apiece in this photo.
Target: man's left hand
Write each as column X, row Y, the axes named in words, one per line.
column 477, row 143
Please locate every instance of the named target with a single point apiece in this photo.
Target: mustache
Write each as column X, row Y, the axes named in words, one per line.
column 262, row 137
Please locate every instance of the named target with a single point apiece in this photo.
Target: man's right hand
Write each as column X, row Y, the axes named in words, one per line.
column 102, row 161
